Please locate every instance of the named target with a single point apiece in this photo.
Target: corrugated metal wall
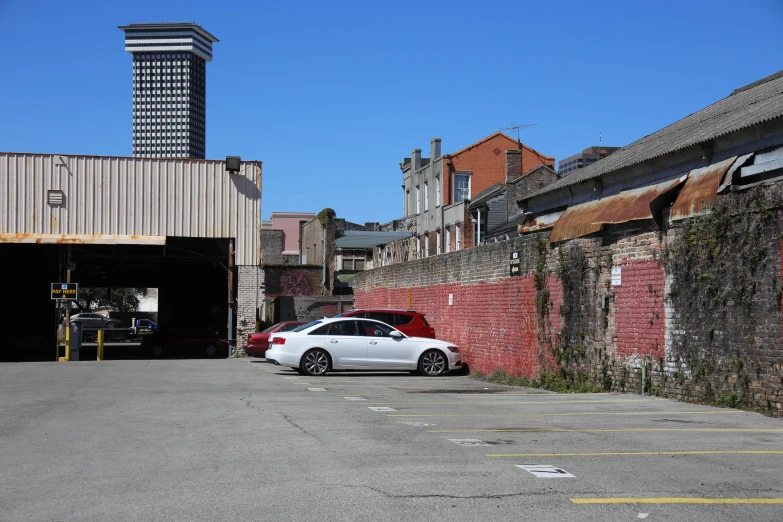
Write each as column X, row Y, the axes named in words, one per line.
column 123, row 196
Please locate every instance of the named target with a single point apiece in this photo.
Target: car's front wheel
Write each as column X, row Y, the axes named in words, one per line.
column 433, row 363
column 210, row 350
column 109, row 325
column 157, row 351
column 315, row 362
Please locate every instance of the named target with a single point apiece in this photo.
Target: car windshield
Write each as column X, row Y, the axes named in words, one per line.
column 306, row 326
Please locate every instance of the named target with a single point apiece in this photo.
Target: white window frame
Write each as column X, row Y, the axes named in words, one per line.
column 418, row 247
column 470, row 187
column 418, row 200
column 426, row 196
column 448, row 239
column 437, row 192
column 426, row 246
column 458, row 243
column 437, row 242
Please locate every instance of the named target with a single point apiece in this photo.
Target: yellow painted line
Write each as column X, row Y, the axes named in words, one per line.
column 677, row 500
column 628, row 453
column 626, row 430
column 505, row 402
column 564, row 414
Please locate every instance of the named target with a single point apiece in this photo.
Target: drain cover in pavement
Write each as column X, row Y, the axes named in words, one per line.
column 545, row 471
column 469, row 442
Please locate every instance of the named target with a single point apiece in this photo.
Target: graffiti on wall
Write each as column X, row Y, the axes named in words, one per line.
column 297, row 283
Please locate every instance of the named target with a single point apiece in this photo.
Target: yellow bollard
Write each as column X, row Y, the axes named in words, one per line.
column 67, row 344
column 100, row 345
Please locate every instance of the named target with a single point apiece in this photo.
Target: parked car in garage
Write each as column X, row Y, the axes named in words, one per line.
column 349, row 343
column 258, row 343
column 96, row 321
column 187, row 342
column 409, row 322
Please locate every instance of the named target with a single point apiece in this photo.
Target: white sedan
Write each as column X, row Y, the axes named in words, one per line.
column 345, row 343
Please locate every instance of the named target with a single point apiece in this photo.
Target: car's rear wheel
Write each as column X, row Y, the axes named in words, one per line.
column 109, row 325
column 210, row 350
column 315, row 362
column 157, row 351
column 433, row 363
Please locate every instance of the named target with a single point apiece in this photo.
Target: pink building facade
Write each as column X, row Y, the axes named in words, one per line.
column 289, row 223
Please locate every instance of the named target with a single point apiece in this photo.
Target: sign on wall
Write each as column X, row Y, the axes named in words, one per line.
column 515, row 264
column 65, row 290
column 617, row 276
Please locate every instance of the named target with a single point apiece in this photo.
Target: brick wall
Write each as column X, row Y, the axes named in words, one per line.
column 698, row 305
column 486, row 159
column 271, row 246
column 250, row 283
column 523, row 186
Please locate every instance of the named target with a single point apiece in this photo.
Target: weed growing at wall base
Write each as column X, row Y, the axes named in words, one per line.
column 548, row 380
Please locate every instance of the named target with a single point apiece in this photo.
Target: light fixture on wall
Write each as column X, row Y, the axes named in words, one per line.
column 233, row 163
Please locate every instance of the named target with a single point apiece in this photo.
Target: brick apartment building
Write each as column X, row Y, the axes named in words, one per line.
column 438, row 189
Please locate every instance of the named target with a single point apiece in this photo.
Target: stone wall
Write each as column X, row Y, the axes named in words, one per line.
column 697, row 306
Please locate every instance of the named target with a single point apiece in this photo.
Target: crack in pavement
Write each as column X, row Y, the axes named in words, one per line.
column 295, row 425
column 453, row 497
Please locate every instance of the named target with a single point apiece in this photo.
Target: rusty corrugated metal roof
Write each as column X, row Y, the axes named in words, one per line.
column 590, row 217
column 700, row 190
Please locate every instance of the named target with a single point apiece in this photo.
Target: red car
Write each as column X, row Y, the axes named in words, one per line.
column 409, row 322
column 258, row 343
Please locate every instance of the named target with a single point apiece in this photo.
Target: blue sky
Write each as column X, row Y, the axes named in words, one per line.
column 332, row 95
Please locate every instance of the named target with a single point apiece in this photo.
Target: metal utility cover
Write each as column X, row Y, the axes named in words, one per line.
column 700, row 190
column 590, row 217
column 545, row 471
column 469, row 442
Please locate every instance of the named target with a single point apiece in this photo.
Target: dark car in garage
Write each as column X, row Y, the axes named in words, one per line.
column 185, row 342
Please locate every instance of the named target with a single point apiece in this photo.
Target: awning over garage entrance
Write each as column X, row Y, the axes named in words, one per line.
column 364, row 239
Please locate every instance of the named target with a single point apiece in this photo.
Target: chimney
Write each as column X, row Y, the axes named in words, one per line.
column 513, row 165
column 434, row 149
column 415, row 159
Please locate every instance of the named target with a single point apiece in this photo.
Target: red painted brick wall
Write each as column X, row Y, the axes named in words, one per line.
column 503, row 331
column 638, row 310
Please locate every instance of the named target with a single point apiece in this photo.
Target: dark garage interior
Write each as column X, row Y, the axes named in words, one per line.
column 191, row 275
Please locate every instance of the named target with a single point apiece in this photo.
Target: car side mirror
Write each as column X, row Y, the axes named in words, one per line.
column 395, row 334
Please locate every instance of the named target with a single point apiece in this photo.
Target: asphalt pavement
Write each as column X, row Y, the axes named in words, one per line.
column 243, row 440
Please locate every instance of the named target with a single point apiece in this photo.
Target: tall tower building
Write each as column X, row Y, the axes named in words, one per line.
column 169, row 88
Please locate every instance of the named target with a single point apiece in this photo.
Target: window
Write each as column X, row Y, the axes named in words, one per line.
column 448, row 239
column 426, row 196
column 437, row 242
column 461, row 187
column 426, row 246
column 343, row 328
column 371, row 329
column 384, row 317
column 456, row 236
column 418, row 246
column 418, row 199
column 437, row 192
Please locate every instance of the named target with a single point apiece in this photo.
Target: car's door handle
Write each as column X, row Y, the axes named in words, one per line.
column 373, row 342
column 332, row 340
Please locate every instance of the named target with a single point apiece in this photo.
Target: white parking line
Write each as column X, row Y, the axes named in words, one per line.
column 355, row 398
column 317, row 389
column 381, row 408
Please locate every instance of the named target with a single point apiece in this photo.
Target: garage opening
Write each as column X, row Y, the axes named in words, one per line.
column 190, row 275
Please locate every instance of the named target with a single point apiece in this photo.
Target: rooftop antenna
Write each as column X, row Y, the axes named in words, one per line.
column 513, row 127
